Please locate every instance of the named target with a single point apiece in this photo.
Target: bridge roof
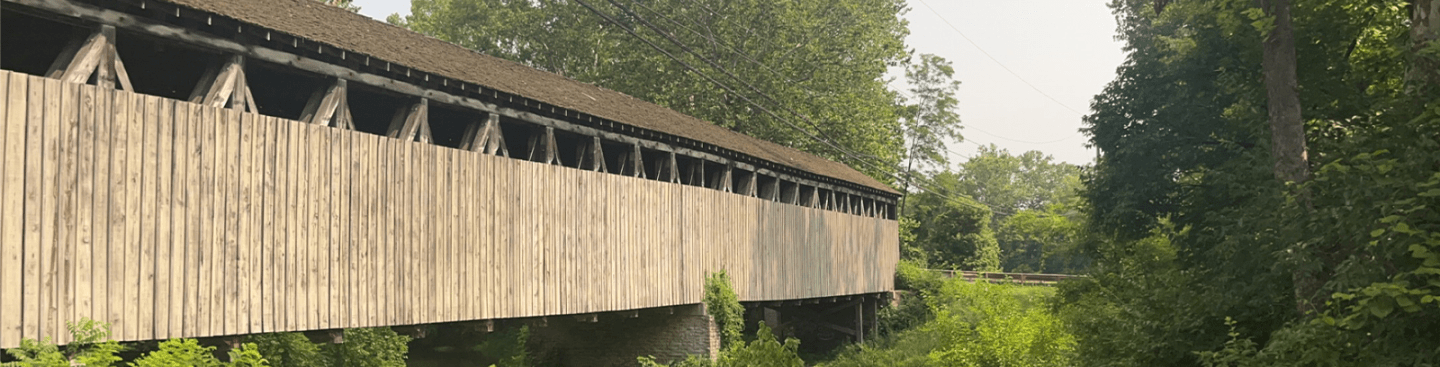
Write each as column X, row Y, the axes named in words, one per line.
column 360, row 34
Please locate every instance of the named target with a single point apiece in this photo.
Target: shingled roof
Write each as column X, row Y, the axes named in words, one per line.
column 359, row 34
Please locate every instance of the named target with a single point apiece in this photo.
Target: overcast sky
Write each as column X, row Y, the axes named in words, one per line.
column 1064, row 48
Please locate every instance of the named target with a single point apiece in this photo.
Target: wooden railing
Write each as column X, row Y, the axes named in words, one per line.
column 168, row 219
column 1010, row 278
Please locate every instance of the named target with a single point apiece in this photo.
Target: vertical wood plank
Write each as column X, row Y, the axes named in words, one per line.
column 164, row 123
column 80, row 286
column 291, row 130
column 194, row 241
column 148, row 186
column 61, row 270
column 270, row 235
column 178, row 216
column 227, row 178
column 39, row 136
column 333, row 280
column 12, row 207
column 199, row 321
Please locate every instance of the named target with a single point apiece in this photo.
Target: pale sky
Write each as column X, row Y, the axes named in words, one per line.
column 1065, row 48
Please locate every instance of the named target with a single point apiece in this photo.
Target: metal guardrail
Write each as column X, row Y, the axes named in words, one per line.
column 1003, row 278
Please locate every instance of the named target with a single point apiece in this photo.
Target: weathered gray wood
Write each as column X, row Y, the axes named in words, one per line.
column 104, row 16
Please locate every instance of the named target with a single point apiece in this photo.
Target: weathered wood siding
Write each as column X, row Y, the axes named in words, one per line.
column 169, row 219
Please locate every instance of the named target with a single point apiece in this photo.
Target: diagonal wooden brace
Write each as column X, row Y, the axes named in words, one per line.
column 93, row 55
column 329, row 106
column 224, row 85
column 411, row 124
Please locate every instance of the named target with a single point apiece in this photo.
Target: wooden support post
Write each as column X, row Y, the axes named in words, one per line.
column 411, row 124
column 587, row 318
column 636, row 162
column 751, row 187
column 485, row 137
column 329, row 106
column 93, row 55
column 542, row 147
column 596, row 155
column 723, row 180
column 224, row 86
column 672, row 169
column 860, row 321
column 697, row 173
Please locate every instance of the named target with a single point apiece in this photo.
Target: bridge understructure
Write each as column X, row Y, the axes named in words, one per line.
column 175, row 172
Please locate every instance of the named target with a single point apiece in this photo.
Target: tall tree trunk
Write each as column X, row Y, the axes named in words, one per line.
column 1287, row 127
column 1424, row 73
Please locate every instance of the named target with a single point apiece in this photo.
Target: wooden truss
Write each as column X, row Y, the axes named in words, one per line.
column 486, row 138
column 330, row 107
column 94, row 55
column 543, row 147
column 224, row 85
column 412, row 124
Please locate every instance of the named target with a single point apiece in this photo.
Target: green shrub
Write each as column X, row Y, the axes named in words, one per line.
column 289, row 350
column 91, row 347
column 370, row 347
column 722, row 304
column 179, row 353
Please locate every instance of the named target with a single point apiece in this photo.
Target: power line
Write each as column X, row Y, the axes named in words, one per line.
column 909, row 177
column 997, row 61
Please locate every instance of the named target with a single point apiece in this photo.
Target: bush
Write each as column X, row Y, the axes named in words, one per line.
column 722, row 304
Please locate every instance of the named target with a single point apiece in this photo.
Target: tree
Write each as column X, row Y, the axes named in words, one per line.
column 930, row 119
column 825, row 60
column 1011, row 183
column 953, row 231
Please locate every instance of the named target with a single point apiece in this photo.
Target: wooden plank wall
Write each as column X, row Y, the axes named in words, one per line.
column 168, row 219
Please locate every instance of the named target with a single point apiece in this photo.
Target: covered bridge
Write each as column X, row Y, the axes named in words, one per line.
column 193, row 168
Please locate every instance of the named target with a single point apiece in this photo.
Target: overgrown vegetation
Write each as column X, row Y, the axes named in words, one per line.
column 723, row 305
column 91, row 346
column 967, row 324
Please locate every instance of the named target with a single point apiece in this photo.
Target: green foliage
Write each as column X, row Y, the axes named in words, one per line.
column 33, row 353
column 370, row 347
column 247, row 356
column 90, row 346
column 931, row 119
column 977, row 324
column 722, row 304
column 953, row 231
column 917, row 285
column 824, row 59
column 764, row 351
column 1011, row 183
column 508, row 346
column 179, row 353
column 289, row 350
column 1196, row 247
column 997, row 325
column 1042, row 241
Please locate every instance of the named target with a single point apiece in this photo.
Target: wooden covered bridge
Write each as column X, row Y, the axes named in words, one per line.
column 194, row 168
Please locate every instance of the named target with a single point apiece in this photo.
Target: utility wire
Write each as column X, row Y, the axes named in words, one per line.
column 997, row 61
column 908, row 178
column 722, row 70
